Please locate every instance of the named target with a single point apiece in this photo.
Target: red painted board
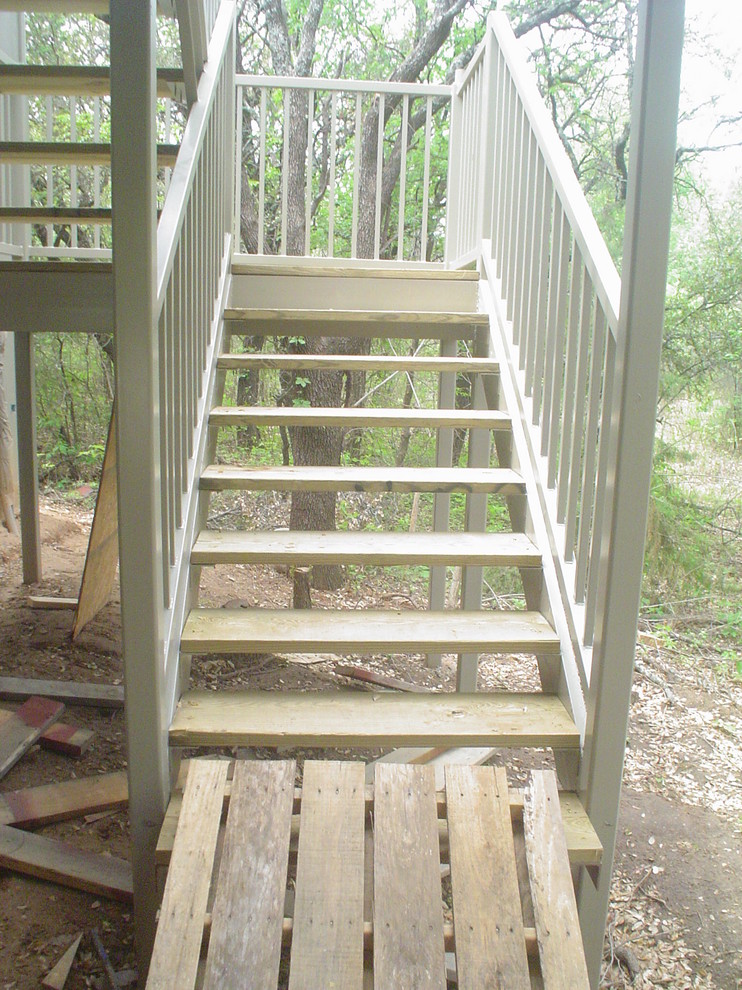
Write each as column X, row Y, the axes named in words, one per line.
column 20, row 729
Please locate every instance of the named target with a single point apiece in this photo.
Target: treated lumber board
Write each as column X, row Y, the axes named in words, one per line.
column 488, row 921
column 49, row 602
column 357, row 362
column 20, row 729
column 361, row 547
column 206, row 718
column 313, row 267
column 563, row 964
column 102, row 557
column 34, row 806
column 60, row 862
column 56, row 6
column 494, row 481
column 409, row 949
column 70, row 740
column 356, row 323
column 73, row 80
column 71, row 692
column 71, row 153
column 245, row 945
column 221, row 630
column 177, row 947
column 328, row 909
column 56, row 978
column 56, row 214
column 380, row 680
column 360, row 418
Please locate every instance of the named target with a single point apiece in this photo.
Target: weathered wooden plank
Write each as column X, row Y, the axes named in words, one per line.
column 64, row 799
column 177, row 945
column 389, row 363
column 70, row 740
column 56, row 978
column 495, row 481
column 359, row 418
column 210, row 718
column 488, row 922
column 20, row 729
column 220, row 630
column 364, row 547
column 245, row 945
column 563, row 964
column 328, row 910
column 72, row 692
column 50, row 859
column 408, row 917
column 51, row 602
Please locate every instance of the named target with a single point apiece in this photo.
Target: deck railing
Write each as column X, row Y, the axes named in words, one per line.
column 310, row 167
column 515, row 198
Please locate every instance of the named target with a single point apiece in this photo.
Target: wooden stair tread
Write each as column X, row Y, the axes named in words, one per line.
column 583, row 845
column 486, row 549
column 357, row 362
column 73, row 80
column 358, row 417
column 221, row 477
column 358, row 322
column 319, row 719
column 220, row 630
column 278, row 265
column 56, row 214
column 71, row 153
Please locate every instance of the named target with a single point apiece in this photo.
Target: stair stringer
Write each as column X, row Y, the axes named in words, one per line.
column 546, row 591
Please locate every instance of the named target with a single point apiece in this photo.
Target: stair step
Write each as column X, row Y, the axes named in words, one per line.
column 384, row 549
column 356, row 362
column 285, row 265
column 55, row 214
column 71, row 153
column 493, row 481
column 358, row 418
column 340, row 719
column 224, row 630
column 74, row 80
column 98, row 7
column 357, row 323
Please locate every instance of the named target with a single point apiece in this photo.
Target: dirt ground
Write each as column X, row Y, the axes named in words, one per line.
column 676, row 913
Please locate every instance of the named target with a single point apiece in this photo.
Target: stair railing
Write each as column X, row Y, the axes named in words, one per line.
column 579, row 353
column 336, row 211
column 170, row 282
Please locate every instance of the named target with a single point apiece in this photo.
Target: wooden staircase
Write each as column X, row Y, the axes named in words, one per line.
column 362, row 719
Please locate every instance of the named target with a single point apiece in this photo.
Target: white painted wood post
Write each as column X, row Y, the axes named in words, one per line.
column 638, row 345
column 28, row 473
column 453, row 240
column 134, row 172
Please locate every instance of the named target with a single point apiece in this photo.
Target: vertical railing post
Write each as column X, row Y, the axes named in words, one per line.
column 134, row 175
column 637, row 353
column 484, row 205
column 454, row 172
column 28, row 473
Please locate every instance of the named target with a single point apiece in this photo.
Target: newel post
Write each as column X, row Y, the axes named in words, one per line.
column 637, row 350
column 134, row 177
column 455, row 152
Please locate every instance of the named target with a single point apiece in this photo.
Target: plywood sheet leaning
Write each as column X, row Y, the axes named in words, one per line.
column 103, row 549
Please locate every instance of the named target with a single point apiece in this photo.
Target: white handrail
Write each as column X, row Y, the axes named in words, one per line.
column 343, row 85
column 602, row 270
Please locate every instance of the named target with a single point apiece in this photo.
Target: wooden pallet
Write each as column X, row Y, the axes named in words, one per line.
column 361, row 906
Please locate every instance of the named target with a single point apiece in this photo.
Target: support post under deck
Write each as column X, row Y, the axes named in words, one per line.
column 28, row 476
column 637, row 347
column 134, row 174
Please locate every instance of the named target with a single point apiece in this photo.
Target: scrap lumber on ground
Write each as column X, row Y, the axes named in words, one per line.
column 20, row 729
column 71, row 692
column 56, row 978
column 70, row 740
column 60, row 862
column 35, row 806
